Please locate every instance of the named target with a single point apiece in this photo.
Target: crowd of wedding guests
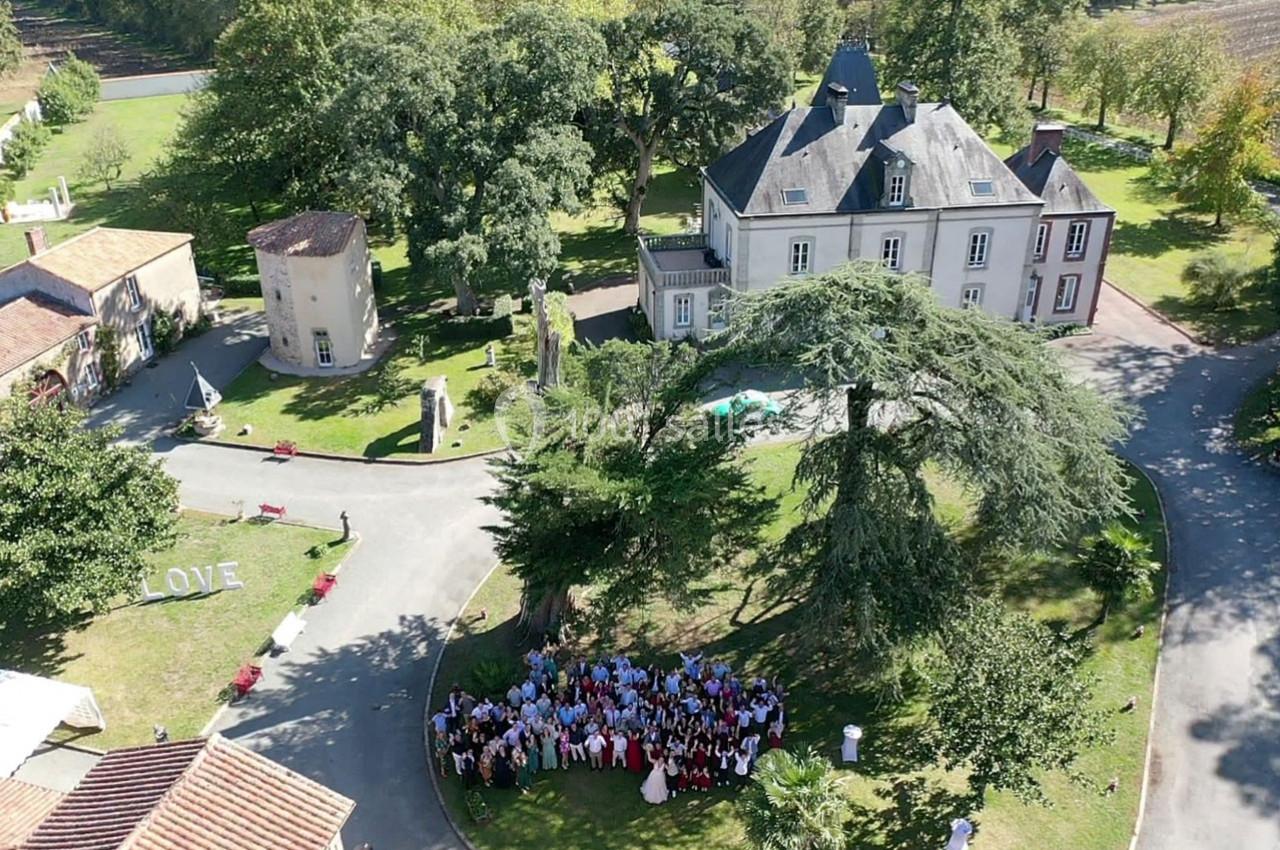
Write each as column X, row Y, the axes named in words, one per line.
column 693, row 727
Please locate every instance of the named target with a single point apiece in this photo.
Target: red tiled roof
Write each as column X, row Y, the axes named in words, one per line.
column 22, row 807
column 307, row 234
column 31, row 325
column 193, row 795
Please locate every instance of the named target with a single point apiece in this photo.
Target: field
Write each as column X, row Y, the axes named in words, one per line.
column 1252, row 26
column 168, row 662
column 146, row 124
column 901, row 803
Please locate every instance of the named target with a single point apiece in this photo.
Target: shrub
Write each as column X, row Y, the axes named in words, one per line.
column 483, row 397
column 503, row 307
column 166, row 329
column 109, row 355
column 69, row 94
column 24, row 147
column 1215, row 280
column 494, row 675
column 240, row 286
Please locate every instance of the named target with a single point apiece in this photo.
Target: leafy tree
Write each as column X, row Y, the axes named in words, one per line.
column 106, row 157
column 24, row 147
column 11, row 54
column 78, row 514
column 899, row 382
column 1007, row 701
column 1118, row 565
column 1179, row 66
column 794, row 802
column 1215, row 280
column 1230, row 148
column 1101, row 68
column 682, row 80
column 69, row 93
column 961, row 50
column 820, row 27
column 469, row 140
column 1039, row 26
column 625, row 493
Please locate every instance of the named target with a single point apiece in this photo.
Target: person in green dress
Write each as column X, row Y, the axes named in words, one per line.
column 549, row 748
column 524, row 776
column 535, row 755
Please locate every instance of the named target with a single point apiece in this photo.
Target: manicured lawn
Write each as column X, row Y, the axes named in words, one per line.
column 1257, row 427
column 167, row 662
column 1156, row 236
column 901, row 802
column 146, row 124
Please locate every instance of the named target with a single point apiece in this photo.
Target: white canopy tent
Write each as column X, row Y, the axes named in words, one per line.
column 31, row 707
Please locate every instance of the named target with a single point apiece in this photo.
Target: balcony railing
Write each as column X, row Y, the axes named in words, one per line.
column 681, row 260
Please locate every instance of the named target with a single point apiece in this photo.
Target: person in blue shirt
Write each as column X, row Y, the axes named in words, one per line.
column 599, row 673
column 626, row 675
column 673, row 683
column 529, row 691
column 692, row 664
column 579, row 710
column 515, row 697
column 720, row 669
column 566, row 715
column 692, row 705
column 628, row 695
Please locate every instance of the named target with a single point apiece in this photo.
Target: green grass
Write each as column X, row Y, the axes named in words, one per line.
column 1156, row 236
column 1257, row 425
column 168, row 662
column 146, row 124
column 900, row 802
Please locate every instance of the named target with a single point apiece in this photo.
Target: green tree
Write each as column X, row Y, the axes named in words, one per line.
column 899, row 382
column 1039, row 26
column 1117, row 564
column 106, row 157
column 626, row 492
column 1179, row 66
column 70, row 92
column 683, row 79
column 11, row 54
column 1007, row 701
column 1102, row 66
column 794, row 802
column 78, row 513
column 468, row 141
column 961, row 50
column 24, row 147
column 1233, row 146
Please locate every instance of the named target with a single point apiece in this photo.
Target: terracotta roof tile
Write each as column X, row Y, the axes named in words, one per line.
column 22, row 807
column 193, row 795
column 307, row 234
column 31, row 325
column 105, row 254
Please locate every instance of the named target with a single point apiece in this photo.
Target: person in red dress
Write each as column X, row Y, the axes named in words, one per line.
column 635, row 755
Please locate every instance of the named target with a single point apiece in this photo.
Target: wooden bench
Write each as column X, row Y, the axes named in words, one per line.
column 273, row 511
column 246, row 677
column 285, row 448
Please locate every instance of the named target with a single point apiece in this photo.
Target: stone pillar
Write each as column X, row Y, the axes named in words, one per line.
column 437, row 410
column 66, row 193
column 57, row 204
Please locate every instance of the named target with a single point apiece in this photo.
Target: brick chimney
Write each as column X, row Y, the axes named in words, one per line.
column 837, row 99
column 1045, row 137
column 908, row 97
column 37, row 241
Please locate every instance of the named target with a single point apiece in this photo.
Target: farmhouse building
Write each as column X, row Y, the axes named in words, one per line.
column 64, row 305
column 317, row 289
column 908, row 184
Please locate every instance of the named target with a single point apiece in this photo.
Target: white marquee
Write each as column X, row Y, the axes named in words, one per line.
column 31, row 707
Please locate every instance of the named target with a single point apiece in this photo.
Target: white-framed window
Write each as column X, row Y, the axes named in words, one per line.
column 891, row 252
column 1033, row 289
column 92, row 377
column 143, row 335
column 897, row 189
column 717, row 308
column 1064, row 301
column 1077, row 238
column 792, row 197
column 801, row 256
column 971, row 296
column 1042, row 241
column 979, row 245
column 84, row 341
column 324, row 348
column 982, row 188
column 131, row 290
column 683, row 311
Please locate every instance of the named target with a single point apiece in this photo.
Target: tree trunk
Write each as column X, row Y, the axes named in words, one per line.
column 1044, row 94
column 467, row 301
column 639, row 186
column 1031, row 92
column 1102, row 114
column 1217, row 217
column 1172, row 134
column 543, row 613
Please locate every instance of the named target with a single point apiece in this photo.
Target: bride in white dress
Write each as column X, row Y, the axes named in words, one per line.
column 654, row 789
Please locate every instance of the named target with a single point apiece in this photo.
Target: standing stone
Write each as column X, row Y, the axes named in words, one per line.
column 433, row 397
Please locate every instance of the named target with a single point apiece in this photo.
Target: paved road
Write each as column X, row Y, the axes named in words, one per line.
column 1215, row 773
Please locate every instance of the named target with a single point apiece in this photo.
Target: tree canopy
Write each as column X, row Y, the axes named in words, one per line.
column 1102, row 66
column 1117, row 564
column 795, row 802
column 10, row 42
column 1180, row 64
column 78, row 514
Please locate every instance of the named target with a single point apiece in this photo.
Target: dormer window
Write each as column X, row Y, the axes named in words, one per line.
column 792, row 197
column 897, row 194
column 982, row 188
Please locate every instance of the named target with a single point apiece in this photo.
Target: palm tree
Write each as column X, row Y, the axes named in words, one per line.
column 1118, row 565
column 795, row 803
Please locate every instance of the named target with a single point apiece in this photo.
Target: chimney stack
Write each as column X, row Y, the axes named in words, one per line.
column 908, row 97
column 1045, row 137
column 37, row 241
column 837, row 99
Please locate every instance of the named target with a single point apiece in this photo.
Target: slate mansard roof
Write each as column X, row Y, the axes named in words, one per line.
column 851, row 67
column 841, row 167
column 1054, row 180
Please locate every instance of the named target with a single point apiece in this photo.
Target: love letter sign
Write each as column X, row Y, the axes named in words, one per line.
column 196, row 581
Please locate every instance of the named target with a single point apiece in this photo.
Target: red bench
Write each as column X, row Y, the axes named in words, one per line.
column 285, row 448
column 322, row 585
column 246, row 677
column 274, row 511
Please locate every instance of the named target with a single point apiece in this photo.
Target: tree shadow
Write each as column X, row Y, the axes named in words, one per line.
column 1178, row 230
column 917, row 813
column 397, row 442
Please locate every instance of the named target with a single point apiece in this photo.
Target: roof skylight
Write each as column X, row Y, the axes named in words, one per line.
column 791, row 197
column 982, row 188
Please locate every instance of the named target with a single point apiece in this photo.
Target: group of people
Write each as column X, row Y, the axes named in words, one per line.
column 694, row 727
